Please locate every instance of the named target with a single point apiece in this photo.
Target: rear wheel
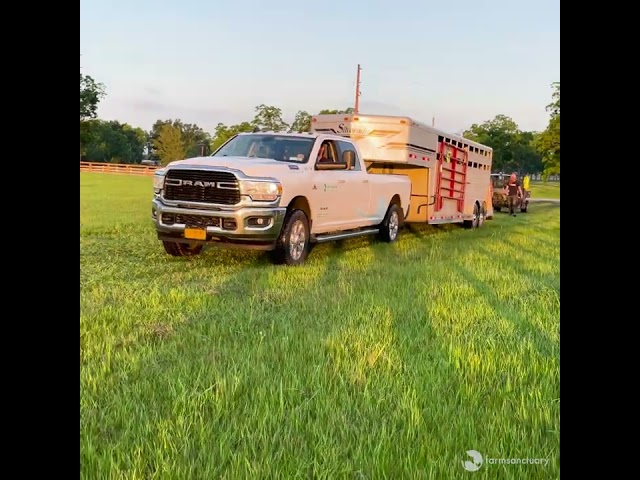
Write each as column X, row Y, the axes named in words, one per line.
column 176, row 249
column 390, row 226
column 475, row 221
column 483, row 215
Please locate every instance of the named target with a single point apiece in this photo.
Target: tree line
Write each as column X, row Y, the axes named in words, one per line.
column 173, row 139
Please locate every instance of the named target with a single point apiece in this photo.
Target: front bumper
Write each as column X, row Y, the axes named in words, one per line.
column 248, row 227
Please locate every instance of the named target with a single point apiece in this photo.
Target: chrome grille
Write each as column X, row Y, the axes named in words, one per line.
column 205, row 186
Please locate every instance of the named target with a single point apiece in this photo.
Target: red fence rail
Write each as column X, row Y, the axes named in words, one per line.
column 122, row 168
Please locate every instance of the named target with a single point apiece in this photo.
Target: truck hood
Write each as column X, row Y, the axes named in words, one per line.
column 253, row 167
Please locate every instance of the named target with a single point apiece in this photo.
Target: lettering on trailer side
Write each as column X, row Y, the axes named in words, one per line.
column 346, row 130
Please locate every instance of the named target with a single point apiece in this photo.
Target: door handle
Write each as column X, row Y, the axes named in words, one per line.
column 342, row 181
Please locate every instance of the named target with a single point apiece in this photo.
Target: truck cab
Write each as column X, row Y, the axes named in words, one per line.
column 277, row 192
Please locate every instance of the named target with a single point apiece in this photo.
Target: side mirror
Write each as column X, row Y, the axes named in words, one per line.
column 331, row 166
column 349, row 158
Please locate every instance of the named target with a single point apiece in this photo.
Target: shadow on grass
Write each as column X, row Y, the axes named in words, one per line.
column 513, row 309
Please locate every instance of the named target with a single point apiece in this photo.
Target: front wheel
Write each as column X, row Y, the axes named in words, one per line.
column 292, row 246
column 176, row 249
column 390, row 226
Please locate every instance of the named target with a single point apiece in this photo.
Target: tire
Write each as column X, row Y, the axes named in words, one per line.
column 475, row 223
column 176, row 249
column 497, row 209
column 292, row 246
column 483, row 215
column 390, row 226
column 524, row 208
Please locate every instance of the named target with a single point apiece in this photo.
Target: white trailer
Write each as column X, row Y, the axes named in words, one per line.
column 450, row 175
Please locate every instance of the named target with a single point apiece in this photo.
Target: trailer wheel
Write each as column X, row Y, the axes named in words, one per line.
column 176, row 249
column 292, row 247
column 483, row 214
column 390, row 226
column 475, row 222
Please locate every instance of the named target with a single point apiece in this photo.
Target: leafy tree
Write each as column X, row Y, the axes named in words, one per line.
column 224, row 133
column 87, row 134
column 302, row 122
column 91, row 93
column 554, row 107
column 195, row 140
column 114, row 142
column 346, row 111
column 269, row 118
column 548, row 142
column 168, row 144
column 499, row 134
column 513, row 150
column 527, row 158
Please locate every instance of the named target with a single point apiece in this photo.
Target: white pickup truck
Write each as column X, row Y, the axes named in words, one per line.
column 277, row 192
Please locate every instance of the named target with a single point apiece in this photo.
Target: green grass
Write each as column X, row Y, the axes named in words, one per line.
column 545, row 189
column 371, row 361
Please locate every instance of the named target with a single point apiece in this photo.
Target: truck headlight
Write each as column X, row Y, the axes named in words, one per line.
column 261, row 191
column 158, row 180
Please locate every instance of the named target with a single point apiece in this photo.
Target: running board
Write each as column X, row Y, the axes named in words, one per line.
column 340, row 236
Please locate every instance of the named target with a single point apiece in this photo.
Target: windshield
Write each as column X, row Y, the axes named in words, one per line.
column 278, row 147
column 498, row 181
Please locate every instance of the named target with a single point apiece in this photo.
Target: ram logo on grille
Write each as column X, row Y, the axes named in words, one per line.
column 176, row 182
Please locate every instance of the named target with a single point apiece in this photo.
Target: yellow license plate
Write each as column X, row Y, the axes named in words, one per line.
column 195, row 233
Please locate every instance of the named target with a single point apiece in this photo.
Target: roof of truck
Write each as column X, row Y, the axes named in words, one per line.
column 296, row 134
column 285, row 133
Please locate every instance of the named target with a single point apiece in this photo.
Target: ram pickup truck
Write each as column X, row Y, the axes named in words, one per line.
column 278, row 192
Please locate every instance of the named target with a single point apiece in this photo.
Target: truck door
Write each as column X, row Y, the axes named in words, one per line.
column 329, row 190
column 357, row 206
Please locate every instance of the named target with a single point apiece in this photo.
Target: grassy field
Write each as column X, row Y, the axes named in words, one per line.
column 372, row 361
column 545, row 190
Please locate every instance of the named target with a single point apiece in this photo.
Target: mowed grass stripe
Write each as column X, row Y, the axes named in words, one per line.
column 371, row 361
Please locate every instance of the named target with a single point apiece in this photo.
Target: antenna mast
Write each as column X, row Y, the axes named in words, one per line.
column 357, row 89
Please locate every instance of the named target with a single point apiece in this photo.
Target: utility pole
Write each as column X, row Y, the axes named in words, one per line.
column 357, row 89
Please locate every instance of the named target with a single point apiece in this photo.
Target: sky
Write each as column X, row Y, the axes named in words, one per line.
column 208, row 61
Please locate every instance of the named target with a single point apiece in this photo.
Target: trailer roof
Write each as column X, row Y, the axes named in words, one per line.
column 408, row 120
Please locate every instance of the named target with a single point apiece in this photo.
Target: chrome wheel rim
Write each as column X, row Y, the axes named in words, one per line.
column 393, row 225
column 297, row 239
